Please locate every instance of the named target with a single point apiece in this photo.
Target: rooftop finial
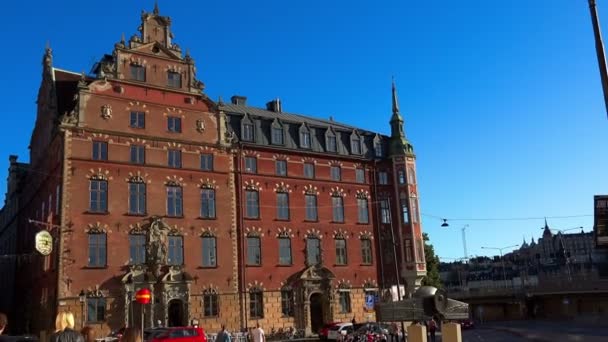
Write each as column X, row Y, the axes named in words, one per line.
column 122, row 38
column 395, row 101
column 546, row 225
column 156, row 11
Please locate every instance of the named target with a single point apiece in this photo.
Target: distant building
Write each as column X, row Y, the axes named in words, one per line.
column 600, row 225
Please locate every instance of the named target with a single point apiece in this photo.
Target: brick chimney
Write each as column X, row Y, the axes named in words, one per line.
column 274, row 105
column 239, row 100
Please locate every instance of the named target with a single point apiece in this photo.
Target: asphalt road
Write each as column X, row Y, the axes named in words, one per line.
column 487, row 335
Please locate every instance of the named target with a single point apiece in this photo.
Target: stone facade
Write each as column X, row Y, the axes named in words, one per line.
column 124, row 167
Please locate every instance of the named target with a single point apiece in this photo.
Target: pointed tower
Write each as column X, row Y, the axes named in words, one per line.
column 407, row 226
column 547, row 231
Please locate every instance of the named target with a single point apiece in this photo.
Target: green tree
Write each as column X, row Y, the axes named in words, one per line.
column 432, row 264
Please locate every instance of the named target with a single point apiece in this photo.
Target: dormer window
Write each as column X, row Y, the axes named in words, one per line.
column 277, row 135
column 378, row 152
column 331, row 142
column 138, row 72
column 304, row 137
column 355, row 144
column 247, row 133
column 174, row 79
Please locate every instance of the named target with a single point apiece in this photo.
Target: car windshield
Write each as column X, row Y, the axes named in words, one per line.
column 150, row 334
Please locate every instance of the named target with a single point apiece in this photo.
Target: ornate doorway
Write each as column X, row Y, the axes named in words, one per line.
column 176, row 313
column 316, row 312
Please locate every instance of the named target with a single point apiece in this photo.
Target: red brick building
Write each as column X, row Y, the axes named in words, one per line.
column 228, row 213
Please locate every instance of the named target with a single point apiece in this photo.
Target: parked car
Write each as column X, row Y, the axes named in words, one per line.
column 325, row 330
column 149, row 334
column 178, row 334
column 338, row 330
column 466, row 324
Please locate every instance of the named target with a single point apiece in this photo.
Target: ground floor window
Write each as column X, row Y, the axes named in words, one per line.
column 345, row 302
column 96, row 309
column 256, row 304
column 287, row 303
column 210, row 304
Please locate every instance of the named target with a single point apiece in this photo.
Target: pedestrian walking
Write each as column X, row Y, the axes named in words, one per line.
column 353, row 321
column 432, row 325
column 131, row 334
column 394, row 332
column 64, row 329
column 223, row 335
column 258, row 334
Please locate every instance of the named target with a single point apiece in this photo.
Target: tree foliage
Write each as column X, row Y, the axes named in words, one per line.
column 432, row 264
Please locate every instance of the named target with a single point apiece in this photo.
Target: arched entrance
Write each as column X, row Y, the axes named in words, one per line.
column 316, row 312
column 176, row 313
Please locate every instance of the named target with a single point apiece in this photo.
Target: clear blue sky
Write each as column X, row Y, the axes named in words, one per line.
column 502, row 99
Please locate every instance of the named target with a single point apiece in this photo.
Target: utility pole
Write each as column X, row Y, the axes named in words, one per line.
column 464, row 241
column 599, row 50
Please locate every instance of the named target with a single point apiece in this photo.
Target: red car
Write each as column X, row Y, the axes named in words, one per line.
column 178, row 334
column 325, row 330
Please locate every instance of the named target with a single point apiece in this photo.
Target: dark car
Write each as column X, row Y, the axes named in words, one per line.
column 466, row 324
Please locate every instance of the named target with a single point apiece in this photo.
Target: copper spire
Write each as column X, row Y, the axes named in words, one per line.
column 395, row 100
column 599, row 49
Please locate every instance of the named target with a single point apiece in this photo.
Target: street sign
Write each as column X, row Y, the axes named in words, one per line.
column 143, row 296
column 370, row 300
column 44, row 242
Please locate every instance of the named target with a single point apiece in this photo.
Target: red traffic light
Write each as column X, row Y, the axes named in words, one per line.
column 143, row 296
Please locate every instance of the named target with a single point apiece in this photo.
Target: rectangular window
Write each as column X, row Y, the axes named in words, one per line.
column 280, row 167
column 385, row 213
column 309, row 170
column 138, row 72
column 138, row 154
column 207, row 162
column 254, row 252
column 366, row 251
column 284, row 251
column 331, row 143
column 337, row 205
column 355, row 145
column 252, row 205
column 401, row 176
column 137, row 249
column 335, row 173
column 174, row 79
column 208, row 203
column 137, row 198
column 277, row 136
column 96, row 309
column 344, row 301
column 287, row 303
column 211, row 305
column 174, row 124
column 404, row 209
column 174, row 158
column 137, row 120
column 341, row 252
column 256, row 304
column 209, row 251
column 414, row 210
column 174, row 201
column 176, row 250
column 304, row 139
column 311, row 207
column 97, row 250
column 383, row 178
column 378, row 149
column 408, row 250
column 98, row 199
column 313, row 251
column 247, row 132
column 360, row 175
column 251, row 165
column 362, row 210
column 100, row 150
column 282, row 206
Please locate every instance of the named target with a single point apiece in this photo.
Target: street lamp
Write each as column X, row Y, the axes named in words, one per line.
column 500, row 249
column 82, row 297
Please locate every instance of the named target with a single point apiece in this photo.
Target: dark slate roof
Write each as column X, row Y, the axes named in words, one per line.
column 289, row 117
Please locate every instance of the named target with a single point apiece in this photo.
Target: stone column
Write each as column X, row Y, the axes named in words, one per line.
column 416, row 333
column 306, row 311
column 450, row 332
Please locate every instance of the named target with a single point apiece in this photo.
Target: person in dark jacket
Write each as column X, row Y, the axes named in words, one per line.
column 88, row 333
column 64, row 329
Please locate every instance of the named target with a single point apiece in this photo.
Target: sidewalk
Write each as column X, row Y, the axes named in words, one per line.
column 552, row 331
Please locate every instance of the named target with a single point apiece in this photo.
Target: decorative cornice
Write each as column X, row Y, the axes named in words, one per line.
column 337, row 192
column 310, row 190
column 282, row 187
column 99, row 174
column 284, row 232
column 96, row 228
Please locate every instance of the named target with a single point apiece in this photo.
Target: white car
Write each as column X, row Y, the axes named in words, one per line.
column 339, row 330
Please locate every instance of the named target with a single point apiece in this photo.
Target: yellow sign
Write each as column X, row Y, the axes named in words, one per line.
column 44, row 242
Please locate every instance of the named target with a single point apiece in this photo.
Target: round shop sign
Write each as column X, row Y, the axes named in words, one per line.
column 44, row 242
